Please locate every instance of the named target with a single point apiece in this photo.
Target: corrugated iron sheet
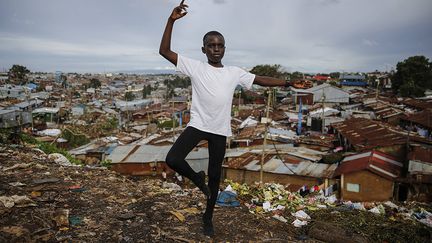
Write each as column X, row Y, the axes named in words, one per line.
column 377, row 162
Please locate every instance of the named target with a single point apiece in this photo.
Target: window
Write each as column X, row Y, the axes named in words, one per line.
column 353, row 187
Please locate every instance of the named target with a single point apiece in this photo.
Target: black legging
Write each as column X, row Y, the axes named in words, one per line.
column 216, row 147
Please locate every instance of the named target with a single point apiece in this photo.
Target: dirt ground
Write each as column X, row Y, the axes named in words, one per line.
column 41, row 201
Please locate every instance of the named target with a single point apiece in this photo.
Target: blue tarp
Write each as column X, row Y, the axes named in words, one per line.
column 227, row 199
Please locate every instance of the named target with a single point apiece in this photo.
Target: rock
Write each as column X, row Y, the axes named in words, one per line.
column 59, row 159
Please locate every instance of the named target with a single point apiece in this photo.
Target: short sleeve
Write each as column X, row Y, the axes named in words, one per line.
column 246, row 78
column 186, row 65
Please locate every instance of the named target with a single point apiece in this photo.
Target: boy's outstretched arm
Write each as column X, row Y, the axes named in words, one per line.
column 165, row 45
column 269, row 81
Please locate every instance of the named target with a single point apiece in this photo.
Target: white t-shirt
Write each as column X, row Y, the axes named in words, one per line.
column 212, row 93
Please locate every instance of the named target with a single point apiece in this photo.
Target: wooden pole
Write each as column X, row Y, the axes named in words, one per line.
column 265, row 137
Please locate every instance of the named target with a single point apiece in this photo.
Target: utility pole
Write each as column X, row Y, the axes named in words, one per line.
column 322, row 113
column 173, row 122
column 265, row 137
column 239, row 101
column 377, row 92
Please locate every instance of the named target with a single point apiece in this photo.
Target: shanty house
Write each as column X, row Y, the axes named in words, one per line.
column 327, row 93
column 291, row 166
column 149, row 159
column 13, row 118
column 368, row 176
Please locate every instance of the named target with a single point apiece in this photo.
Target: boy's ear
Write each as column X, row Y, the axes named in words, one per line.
column 203, row 50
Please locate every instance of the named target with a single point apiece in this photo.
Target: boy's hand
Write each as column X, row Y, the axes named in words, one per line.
column 179, row 11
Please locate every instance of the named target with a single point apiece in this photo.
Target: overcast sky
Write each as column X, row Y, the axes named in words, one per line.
column 300, row 35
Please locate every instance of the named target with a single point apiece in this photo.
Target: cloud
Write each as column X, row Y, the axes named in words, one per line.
column 219, row 1
column 367, row 42
column 55, row 47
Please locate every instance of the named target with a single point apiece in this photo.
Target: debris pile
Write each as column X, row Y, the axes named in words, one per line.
column 45, row 201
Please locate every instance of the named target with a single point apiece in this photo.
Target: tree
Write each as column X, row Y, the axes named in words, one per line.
column 95, row 83
column 146, row 91
column 129, row 96
column 413, row 76
column 335, row 75
column 297, row 75
column 18, row 74
column 274, row 71
column 64, row 81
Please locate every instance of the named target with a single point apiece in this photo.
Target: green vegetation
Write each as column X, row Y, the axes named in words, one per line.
column 147, row 89
column 168, row 124
column 95, row 83
column 106, row 163
column 18, row 74
column 129, row 96
column 177, row 82
column 74, row 139
column 413, row 77
column 274, row 71
column 49, row 148
column 110, row 125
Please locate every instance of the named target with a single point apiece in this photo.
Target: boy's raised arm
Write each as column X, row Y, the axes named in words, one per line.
column 165, row 45
column 269, row 81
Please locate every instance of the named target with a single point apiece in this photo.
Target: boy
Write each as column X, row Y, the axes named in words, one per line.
column 213, row 86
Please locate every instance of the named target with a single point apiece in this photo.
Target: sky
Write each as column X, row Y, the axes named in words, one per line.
column 301, row 35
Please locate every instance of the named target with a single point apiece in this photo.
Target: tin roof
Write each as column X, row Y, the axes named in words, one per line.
column 149, row 153
column 418, row 104
column 365, row 134
column 374, row 161
column 423, row 118
column 277, row 164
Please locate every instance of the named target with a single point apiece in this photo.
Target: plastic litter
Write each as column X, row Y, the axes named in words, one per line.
column 280, row 218
column 227, row 199
column 301, row 215
column 299, row 223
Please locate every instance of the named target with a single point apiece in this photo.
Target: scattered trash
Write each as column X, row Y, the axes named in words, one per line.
column 61, row 217
column 227, row 199
column 378, row 209
column 301, row 215
column 75, row 220
column 299, row 223
column 191, row 210
column 17, row 184
column 17, row 201
column 171, row 186
column 77, row 188
column 178, row 215
column 280, row 218
column 60, row 159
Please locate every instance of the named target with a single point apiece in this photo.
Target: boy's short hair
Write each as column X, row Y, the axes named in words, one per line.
column 211, row 33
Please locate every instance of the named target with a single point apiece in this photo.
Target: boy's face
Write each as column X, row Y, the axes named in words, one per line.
column 214, row 48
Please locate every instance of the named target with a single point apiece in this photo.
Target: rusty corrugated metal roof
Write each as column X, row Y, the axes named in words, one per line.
column 365, row 134
column 423, row 118
column 377, row 162
column 418, row 104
